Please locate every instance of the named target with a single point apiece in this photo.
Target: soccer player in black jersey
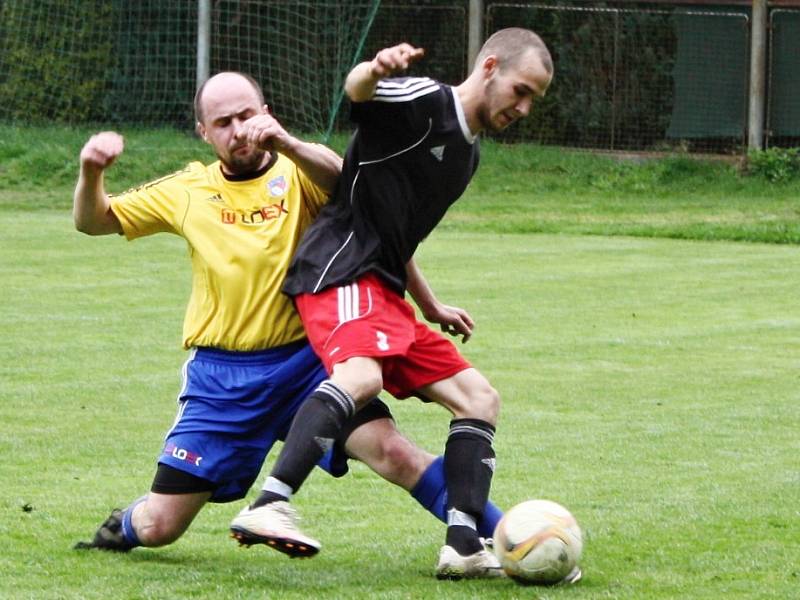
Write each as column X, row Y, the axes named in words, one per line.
column 413, row 153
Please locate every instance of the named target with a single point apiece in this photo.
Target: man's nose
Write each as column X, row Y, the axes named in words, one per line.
column 523, row 107
column 238, row 128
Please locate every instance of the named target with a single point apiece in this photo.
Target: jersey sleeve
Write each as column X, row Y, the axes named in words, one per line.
column 154, row 207
column 314, row 197
column 401, row 105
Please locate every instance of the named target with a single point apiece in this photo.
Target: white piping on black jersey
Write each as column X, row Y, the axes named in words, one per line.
column 409, row 86
column 398, row 153
column 407, row 82
column 405, row 91
column 352, row 190
column 330, row 262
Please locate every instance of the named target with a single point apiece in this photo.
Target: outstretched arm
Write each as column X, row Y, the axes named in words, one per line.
column 320, row 164
column 452, row 320
column 91, row 208
column 362, row 80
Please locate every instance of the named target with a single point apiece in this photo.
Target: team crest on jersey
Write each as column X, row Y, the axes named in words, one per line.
column 277, row 186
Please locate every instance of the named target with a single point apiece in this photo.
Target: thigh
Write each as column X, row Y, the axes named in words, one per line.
column 467, row 394
column 431, row 358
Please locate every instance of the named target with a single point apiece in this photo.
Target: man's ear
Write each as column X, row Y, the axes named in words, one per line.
column 201, row 131
column 489, row 66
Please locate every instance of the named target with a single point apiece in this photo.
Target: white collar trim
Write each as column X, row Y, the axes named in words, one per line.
column 462, row 120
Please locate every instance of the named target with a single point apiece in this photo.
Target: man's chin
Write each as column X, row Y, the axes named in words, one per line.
column 495, row 127
column 243, row 166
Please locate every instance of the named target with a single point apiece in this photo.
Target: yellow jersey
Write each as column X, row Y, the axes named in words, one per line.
column 241, row 236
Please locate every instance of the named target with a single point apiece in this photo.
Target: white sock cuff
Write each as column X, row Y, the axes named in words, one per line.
column 278, row 487
column 456, row 517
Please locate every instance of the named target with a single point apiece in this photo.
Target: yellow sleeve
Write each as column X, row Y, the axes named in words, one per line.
column 154, row 207
column 313, row 196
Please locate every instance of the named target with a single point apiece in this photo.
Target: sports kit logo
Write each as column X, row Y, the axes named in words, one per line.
column 383, row 341
column 438, row 152
column 254, row 217
column 490, row 462
column 277, row 186
column 183, row 454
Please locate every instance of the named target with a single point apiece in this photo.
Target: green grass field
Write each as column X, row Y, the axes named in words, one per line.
column 649, row 384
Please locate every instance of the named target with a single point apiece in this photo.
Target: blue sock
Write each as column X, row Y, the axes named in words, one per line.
column 431, row 493
column 128, row 532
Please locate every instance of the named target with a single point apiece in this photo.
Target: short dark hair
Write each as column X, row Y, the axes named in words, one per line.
column 198, row 96
column 511, row 44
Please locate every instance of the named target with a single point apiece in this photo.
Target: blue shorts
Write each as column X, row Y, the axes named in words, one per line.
column 232, row 409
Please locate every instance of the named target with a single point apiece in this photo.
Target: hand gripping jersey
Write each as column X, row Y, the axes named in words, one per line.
column 241, row 235
column 411, row 157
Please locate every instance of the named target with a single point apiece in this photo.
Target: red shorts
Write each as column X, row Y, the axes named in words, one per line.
column 368, row 319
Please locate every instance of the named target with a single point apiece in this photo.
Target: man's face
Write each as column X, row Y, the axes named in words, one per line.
column 228, row 101
column 510, row 92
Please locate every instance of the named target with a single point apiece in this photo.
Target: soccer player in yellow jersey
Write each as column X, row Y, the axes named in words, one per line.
column 250, row 365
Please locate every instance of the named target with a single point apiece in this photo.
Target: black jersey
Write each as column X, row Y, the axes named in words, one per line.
column 410, row 158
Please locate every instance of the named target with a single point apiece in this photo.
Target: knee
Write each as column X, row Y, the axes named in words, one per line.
column 484, row 403
column 156, row 528
column 402, row 462
column 361, row 377
column 371, row 386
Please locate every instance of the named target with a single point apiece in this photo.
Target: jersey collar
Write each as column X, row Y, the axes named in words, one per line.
column 254, row 174
column 462, row 120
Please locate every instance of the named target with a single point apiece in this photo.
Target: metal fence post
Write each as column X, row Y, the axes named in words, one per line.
column 475, row 32
column 203, row 41
column 758, row 68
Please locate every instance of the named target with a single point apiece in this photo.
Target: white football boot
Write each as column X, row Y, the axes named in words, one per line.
column 480, row 565
column 274, row 525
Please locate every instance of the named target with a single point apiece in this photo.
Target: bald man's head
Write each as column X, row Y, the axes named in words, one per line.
column 220, row 80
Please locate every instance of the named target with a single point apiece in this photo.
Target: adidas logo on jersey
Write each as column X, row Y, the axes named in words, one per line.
column 438, row 152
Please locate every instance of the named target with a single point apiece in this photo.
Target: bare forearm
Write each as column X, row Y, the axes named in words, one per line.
column 418, row 287
column 452, row 320
column 361, row 82
column 320, row 164
column 91, row 209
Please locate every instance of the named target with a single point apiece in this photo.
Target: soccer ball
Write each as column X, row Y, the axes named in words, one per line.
column 538, row 542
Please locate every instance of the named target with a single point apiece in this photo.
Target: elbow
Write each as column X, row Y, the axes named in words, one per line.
column 90, row 226
column 80, row 224
column 84, row 227
column 356, row 95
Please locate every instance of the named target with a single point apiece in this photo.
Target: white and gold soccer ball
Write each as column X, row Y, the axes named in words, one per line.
column 538, row 542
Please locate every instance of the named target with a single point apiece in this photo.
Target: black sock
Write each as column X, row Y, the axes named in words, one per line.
column 469, row 465
column 265, row 497
column 314, row 429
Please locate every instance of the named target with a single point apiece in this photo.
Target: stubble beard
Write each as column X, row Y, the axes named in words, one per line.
column 485, row 115
column 242, row 165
